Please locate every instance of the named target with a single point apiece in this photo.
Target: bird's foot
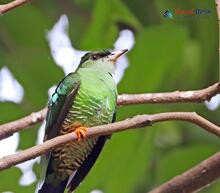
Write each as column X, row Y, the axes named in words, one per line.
column 81, row 133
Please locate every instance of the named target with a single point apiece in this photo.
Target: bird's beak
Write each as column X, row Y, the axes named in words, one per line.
column 115, row 55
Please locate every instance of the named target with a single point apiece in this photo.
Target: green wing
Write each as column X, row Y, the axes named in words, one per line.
column 58, row 107
column 60, row 103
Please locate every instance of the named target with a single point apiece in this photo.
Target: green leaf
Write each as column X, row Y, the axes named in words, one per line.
column 158, row 51
column 27, row 37
column 10, row 183
column 103, row 29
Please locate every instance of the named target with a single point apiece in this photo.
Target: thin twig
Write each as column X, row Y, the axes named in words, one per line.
column 12, row 5
column 135, row 122
column 9, row 6
column 194, row 179
column 196, row 96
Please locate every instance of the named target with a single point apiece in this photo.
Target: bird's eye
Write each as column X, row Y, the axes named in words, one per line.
column 95, row 57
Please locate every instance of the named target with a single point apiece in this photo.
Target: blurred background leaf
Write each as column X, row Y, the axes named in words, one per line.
column 169, row 54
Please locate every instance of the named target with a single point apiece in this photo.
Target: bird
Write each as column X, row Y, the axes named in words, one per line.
column 84, row 98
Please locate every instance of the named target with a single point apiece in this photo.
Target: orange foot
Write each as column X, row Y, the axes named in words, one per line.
column 81, row 132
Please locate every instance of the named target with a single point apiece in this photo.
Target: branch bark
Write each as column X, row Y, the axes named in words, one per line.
column 8, row 129
column 135, row 122
column 196, row 96
column 9, row 6
column 194, row 179
column 193, row 96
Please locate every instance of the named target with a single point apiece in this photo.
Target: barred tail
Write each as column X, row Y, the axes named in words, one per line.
column 49, row 188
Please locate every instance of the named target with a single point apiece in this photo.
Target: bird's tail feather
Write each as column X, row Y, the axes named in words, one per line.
column 49, row 188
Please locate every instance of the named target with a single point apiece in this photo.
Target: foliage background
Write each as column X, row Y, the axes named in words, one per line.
column 169, row 54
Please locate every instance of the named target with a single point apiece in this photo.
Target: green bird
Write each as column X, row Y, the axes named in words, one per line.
column 82, row 99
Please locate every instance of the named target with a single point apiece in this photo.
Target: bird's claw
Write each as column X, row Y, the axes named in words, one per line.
column 81, row 133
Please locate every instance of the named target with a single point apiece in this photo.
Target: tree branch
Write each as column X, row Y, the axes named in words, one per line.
column 9, row 6
column 194, row 179
column 8, row 129
column 193, row 96
column 135, row 122
column 196, row 96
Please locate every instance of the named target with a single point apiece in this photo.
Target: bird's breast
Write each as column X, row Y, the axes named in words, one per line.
column 93, row 105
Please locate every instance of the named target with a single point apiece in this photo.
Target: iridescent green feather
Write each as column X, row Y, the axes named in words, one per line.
column 56, row 112
column 88, row 97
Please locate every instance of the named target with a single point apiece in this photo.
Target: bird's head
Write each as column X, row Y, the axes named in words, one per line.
column 103, row 59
